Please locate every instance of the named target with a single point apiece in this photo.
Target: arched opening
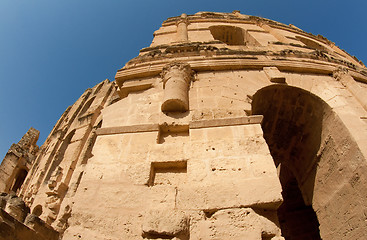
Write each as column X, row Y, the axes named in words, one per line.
column 86, row 106
column 60, row 155
column 19, row 179
column 228, row 34
column 292, row 128
column 98, row 88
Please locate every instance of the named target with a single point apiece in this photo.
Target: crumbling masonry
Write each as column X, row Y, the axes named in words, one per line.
column 227, row 126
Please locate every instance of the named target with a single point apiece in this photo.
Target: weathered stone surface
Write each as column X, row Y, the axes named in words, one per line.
column 12, row 229
column 16, row 207
column 274, row 75
column 3, row 199
column 227, row 126
column 166, row 223
column 237, row 223
column 18, row 161
column 40, row 227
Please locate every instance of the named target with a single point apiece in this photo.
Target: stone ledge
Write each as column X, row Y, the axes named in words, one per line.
column 263, row 192
column 128, row 87
column 257, row 119
column 237, row 62
column 128, row 129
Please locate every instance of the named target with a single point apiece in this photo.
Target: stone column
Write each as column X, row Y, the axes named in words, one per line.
column 182, row 35
column 176, row 81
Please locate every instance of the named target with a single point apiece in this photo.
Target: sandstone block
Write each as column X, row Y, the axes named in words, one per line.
column 16, row 207
column 221, row 193
column 165, row 223
column 274, row 74
column 40, row 227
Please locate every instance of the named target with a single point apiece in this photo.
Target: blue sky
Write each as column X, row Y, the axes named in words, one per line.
column 51, row 51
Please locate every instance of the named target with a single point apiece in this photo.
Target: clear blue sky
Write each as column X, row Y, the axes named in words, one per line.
column 52, row 50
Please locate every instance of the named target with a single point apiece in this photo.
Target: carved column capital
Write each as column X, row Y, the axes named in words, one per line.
column 183, row 19
column 176, row 69
column 176, row 81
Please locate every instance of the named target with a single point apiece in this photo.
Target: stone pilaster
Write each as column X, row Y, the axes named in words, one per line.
column 182, row 35
column 176, row 81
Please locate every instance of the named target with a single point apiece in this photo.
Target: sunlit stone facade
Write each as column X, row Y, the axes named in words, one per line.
column 227, row 126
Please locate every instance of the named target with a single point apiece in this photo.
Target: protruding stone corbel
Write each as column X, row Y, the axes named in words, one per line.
column 342, row 75
column 274, row 75
column 182, row 34
column 176, row 81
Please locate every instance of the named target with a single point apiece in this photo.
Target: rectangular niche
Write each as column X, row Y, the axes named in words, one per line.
column 173, row 134
column 168, row 173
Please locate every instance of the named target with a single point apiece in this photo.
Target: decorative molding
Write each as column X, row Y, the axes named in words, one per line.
column 256, row 119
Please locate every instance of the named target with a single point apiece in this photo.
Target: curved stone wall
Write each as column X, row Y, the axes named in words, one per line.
column 222, row 128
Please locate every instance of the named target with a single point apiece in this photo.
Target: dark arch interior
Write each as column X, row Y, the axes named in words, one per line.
column 19, row 179
column 228, row 34
column 60, row 156
column 86, row 106
column 292, row 129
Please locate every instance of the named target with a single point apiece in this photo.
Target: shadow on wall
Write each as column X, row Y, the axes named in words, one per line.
column 319, row 164
column 292, row 128
column 60, row 155
column 19, row 179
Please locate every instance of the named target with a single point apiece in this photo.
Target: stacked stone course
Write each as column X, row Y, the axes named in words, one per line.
column 227, row 126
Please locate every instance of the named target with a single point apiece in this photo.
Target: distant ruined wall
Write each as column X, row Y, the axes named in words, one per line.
column 227, row 126
column 18, row 161
column 57, row 170
column 49, row 170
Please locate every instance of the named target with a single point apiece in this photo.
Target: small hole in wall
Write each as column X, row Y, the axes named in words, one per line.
column 37, row 210
column 267, row 236
column 209, row 213
column 151, row 235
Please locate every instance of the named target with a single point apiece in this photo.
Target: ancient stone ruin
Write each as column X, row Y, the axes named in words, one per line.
column 227, row 126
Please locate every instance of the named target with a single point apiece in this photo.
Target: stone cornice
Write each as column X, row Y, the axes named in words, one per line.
column 235, row 62
column 246, row 19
